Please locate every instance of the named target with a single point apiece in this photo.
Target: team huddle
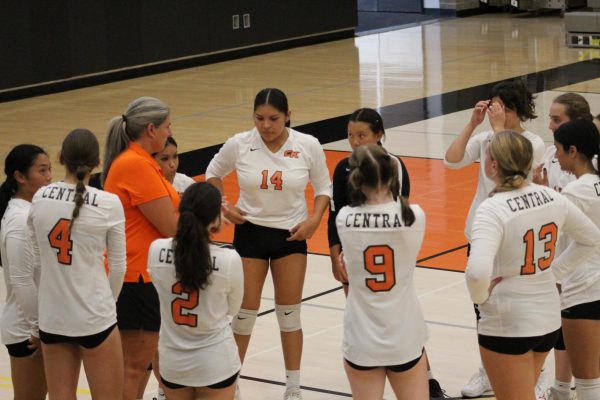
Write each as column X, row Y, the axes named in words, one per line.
column 135, row 253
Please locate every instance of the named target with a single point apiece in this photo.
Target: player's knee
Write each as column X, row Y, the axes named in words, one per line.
column 288, row 317
column 243, row 322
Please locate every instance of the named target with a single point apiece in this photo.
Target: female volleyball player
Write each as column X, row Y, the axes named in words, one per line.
column 508, row 273
column 509, row 105
column 577, row 144
column 168, row 159
column 274, row 164
column 27, row 168
column 381, row 238
column 150, row 205
column 564, row 108
column 71, row 226
column 198, row 285
column 365, row 126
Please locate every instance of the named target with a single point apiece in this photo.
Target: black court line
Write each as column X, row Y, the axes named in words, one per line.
column 333, row 129
column 304, row 299
column 313, row 389
column 442, row 253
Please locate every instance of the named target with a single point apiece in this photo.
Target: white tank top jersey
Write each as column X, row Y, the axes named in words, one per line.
column 196, row 346
column 182, row 182
column 475, row 151
column 583, row 285
column 557, row 178
column 76, row 298
column 272, row 185
column 19, row 319
column 514, row 237
column 383, row 321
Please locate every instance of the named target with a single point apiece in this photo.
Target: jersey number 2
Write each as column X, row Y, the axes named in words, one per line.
column 181, row 306
column 60, row 239
column 379, row 260
column 276, row 180
column 548, row 233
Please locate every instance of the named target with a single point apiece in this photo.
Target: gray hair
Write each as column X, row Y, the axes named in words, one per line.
column 130, row 125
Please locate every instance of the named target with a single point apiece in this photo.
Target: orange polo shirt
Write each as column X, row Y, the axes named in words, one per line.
column 136, row 178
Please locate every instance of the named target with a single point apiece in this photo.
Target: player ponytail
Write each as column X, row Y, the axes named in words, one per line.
column 200, row 206
column 372, row 170
column 80, row 154
column 129, row 126
column 514, row 155
column 274, row 98
column 19, row 159
column 583, row 135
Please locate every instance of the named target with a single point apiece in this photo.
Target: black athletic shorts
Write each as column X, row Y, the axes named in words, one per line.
column 255, row 241
column 582, row 311
column 519, row 345
column 220, row 385
column 89, row 341
column 138, row 307
column 19, row 350
column 560, row 342
column 394, row 368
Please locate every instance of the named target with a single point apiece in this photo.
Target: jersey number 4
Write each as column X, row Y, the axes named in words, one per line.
column 60, row 240
column 547, row 233
column 276, row 180
column 379, row 260
column 181, row 306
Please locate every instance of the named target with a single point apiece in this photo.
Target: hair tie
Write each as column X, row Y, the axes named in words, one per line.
column 519, row 173
column 124, row 118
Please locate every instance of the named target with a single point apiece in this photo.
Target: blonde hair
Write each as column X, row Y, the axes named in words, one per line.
column 514, row 155
column 129, row 126
column 372, row 167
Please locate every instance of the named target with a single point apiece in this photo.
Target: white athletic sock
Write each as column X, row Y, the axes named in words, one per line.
column 562, row 387
column 292, row 379
column 429, row 375
column 587, row 389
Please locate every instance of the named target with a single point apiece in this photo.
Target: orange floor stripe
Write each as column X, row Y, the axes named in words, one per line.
column 445, row 196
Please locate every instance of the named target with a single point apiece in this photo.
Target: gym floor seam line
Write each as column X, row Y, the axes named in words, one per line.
column 313, row 389
column 333, row 392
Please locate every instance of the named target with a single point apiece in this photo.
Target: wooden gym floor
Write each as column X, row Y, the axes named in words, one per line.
column 424, row 79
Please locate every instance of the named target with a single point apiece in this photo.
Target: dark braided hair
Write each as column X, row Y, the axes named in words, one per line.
column 200, row 205
column 80, row 154
column 20, row 159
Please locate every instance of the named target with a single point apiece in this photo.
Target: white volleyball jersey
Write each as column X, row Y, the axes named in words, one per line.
column 76, row 297
column 196, row 346
column 272, row 185
column 557, row 178
column 475, row 151
column 583, row 284
column 20, row 314
column 182, row 182
column 514, row 237
column 383, row 321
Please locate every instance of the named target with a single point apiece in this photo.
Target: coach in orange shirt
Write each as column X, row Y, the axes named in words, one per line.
column 150, row 204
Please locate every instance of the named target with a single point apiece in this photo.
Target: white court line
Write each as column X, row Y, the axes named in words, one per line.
column 339, row 325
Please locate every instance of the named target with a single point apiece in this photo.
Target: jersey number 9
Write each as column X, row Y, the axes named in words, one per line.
column 379, row 260
column 181, row 306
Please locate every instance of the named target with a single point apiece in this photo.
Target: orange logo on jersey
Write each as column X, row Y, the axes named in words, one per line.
column 291, row 154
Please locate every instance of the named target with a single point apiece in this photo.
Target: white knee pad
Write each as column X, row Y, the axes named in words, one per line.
column 243, row 322
column 587, row 389
column 288, row 317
